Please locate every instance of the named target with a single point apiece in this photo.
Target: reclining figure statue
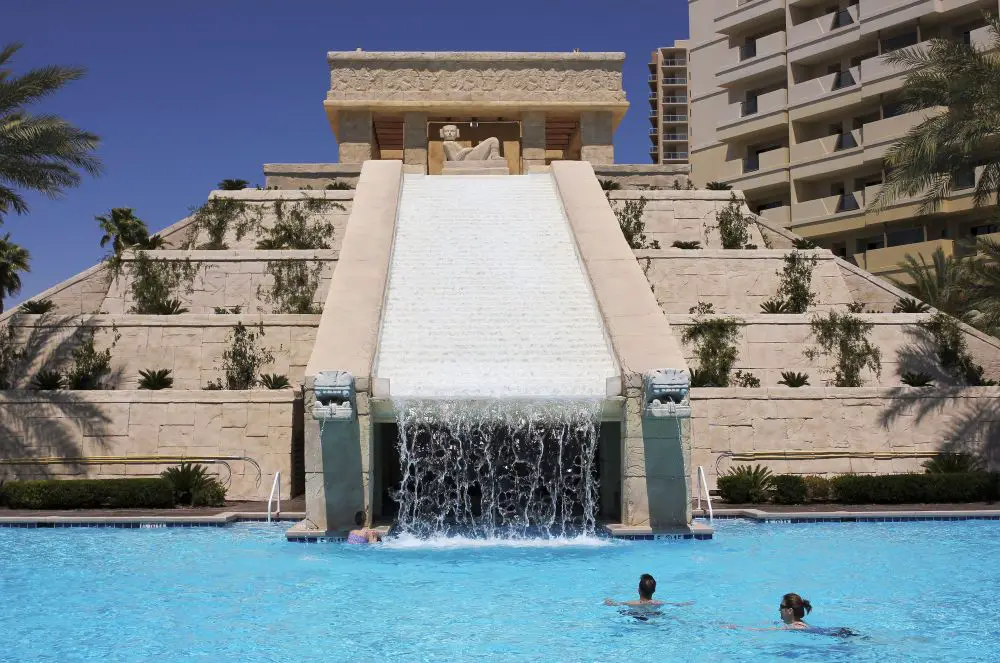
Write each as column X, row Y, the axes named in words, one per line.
column 488, row 150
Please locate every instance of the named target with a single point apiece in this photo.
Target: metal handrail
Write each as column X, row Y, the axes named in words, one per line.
column 703, row 483
column 275, row 488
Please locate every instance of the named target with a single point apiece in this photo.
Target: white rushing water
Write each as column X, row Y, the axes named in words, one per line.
column 487, row 297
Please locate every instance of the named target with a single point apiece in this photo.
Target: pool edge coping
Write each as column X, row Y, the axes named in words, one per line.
column 125, row 521
column 908, row 515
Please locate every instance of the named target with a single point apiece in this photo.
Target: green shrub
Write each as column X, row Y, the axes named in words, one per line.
column 37, row 307
column 686, row 245
column 186, row 479
column 817, row 488
column 210, row 493
column 910, row 305
column 88, row 494
column 794, row 379
column 950, row 463
column 155, row 379
column 915, row 488
column 774, row 305
column 746, row 379
column 745, row 484
column 916, row 379
column 48, row 381
column 274, row 381
column 790, row 489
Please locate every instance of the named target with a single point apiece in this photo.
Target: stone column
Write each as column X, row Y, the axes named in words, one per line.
column 596, row 133
column 357, row 136
column 532, row 140
column 414, row 142
column 655, row 459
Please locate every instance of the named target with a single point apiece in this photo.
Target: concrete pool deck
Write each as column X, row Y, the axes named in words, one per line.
column 853, row 512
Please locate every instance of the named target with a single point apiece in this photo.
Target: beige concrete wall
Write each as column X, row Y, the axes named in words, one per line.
column 224, row 278
column 338, row 456
column 770, row 344
column 687, row 216
column 77, row 295
column 315, row 175
column 734, row 282
column 846, row 422
column 644, row 176
column 189, row 345
column 169, row 424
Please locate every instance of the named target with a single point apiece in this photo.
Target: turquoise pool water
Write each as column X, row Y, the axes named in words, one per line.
column 922, row 591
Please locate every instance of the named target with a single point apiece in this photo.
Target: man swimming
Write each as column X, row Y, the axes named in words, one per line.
column 646, row 605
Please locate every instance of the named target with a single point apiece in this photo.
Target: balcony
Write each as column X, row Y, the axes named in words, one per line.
column 959, row 200
column 757, row 59
column 745, row 15
column 675, row 101
column 881, row 77
column 754, row 115
column 829, row 208
column 883, row 14
column 885, row 261
column 675, row 156
column 820, row 35
column 675, row 138
column 777, row 216
column 675, row 81
column 823, row 88
column 879, row 136
column 827, row 155
column 768, row 170
column 673, row 64
column 651, row 78
column 675, row 118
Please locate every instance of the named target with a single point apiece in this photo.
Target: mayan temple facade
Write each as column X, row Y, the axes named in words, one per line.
column 476, row 194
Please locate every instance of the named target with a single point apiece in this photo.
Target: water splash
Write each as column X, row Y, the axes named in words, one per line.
column 497, row 469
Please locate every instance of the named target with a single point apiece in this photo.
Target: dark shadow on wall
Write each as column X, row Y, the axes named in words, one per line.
column 46, row 424
column 972, row 413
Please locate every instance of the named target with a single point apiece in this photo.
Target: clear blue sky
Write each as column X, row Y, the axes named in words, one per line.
column 188, row 92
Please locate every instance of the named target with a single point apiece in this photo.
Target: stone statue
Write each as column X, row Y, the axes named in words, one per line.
column 488, row 150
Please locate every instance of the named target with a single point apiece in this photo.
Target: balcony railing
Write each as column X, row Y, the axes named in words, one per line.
column 818, row 28
column 815, row 89
column 675, row 100
column 675, row 155
column 675, row 81
column 675, row 137
column 675, row 118
column 674, row 63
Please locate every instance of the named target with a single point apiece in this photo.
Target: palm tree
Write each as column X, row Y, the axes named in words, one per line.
column 943, row 284
column 964, row 81
column 718, row 186
column 122, row 228
column 14, row 259
column 984, row 290
column 233, row 185
column 41, row 153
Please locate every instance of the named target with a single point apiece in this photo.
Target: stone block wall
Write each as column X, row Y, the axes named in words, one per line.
column 734, row 282
column 687, row 216
column 224, row 279
column 860, row 431
column 315, row 175
column 79, row 295
column 189, row 345
column 770, row 344
column 94, row 433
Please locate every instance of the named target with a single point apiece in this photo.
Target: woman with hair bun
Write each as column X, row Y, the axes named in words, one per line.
column 793, row 609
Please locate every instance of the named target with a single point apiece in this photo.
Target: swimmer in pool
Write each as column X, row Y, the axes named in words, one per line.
column 793, row 609
column 647, row 587
column 363, row 535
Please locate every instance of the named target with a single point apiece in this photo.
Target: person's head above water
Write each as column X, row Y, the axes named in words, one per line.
column 647, row 586
column 359, row 518
column 793, row 608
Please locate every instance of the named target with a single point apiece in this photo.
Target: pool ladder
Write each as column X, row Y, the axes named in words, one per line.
column 275, row 493
column 703, row 486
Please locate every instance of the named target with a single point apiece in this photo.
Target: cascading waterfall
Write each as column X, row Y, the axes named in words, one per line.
column 496, row 359
column 498, row 468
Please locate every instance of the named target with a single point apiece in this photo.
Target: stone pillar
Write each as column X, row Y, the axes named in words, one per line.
column 596, row 133
column 414, row 142
column 357, row 136
column 532, row 140
column 655, row 459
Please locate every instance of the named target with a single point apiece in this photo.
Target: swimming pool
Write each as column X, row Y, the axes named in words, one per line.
column 921, row 591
